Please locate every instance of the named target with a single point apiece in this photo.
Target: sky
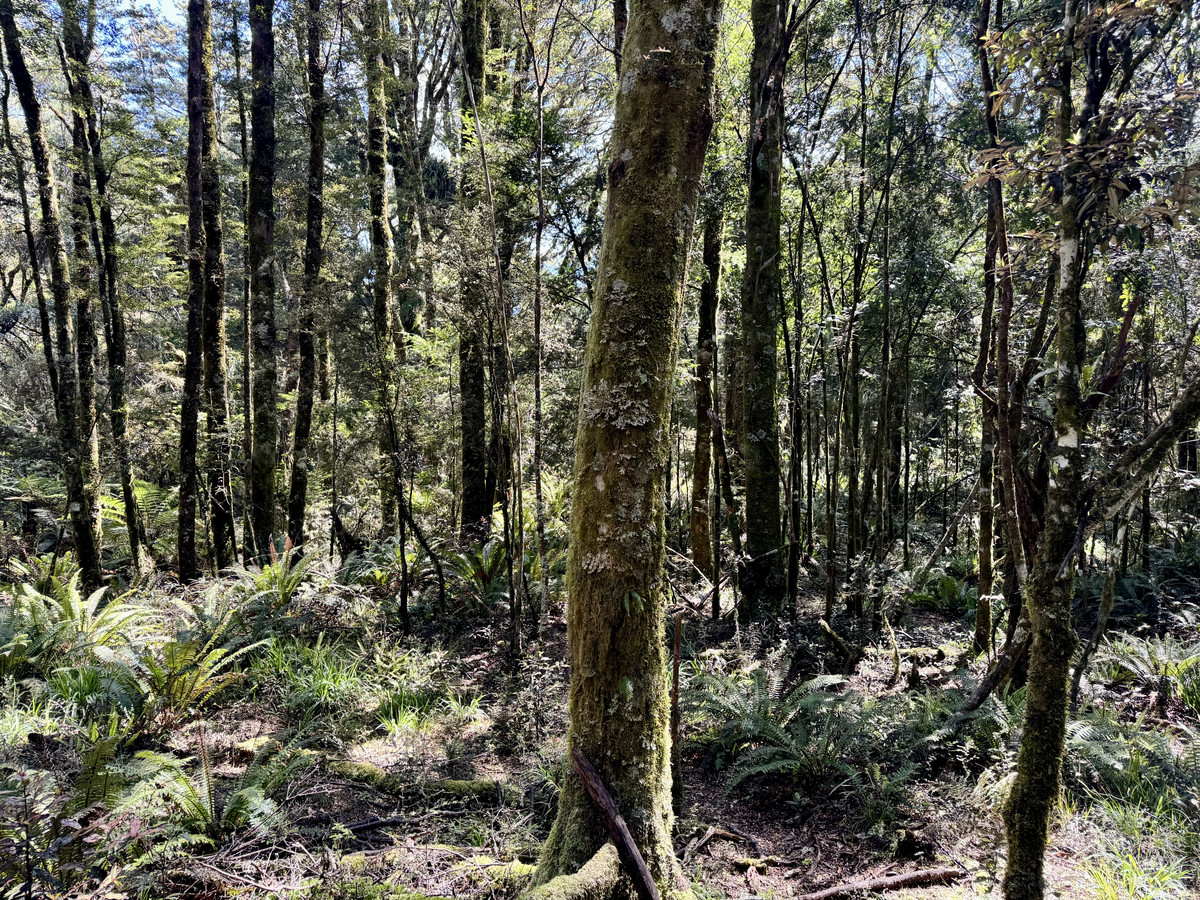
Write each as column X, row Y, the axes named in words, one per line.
column 168, row 9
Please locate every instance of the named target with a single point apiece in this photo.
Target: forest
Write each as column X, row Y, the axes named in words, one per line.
column 586, row 450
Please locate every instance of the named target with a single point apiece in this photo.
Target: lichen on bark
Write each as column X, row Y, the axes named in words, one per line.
column 617, row 593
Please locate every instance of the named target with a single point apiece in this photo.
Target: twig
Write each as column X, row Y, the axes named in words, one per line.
column 888, row 883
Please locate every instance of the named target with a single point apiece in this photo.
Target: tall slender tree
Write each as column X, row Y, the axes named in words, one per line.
column 261, row 249
column 193, row 363
column 78, row 44
column 216, row 396
column 70, row 433
column 314, row 249
column 763, row 586
column 374, row 24
column 476, row 502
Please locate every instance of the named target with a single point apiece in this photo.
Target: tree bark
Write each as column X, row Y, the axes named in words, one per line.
column 216, row 398
column 78, row 50
column 476, row 499
column 706, row 347
column 375, row 17
column 82, row 224
column 619, row 706
column 763, row 586
column 86, row 550
column 314, row 249
column 189, row 569
column 261, row 248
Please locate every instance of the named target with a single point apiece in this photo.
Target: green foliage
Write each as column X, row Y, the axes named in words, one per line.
column 1158, row 664
column 482, row 575
column 179, row 678
column 45, row 627
column 765, row 730
column 320, row 678
column 202, row 813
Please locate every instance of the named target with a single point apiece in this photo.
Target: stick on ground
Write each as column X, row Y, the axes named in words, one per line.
column 888, row 883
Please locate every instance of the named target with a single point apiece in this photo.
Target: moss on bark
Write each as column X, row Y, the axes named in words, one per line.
column 617, row 592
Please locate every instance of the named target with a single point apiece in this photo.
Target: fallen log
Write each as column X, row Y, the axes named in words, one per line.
column 888, row 883
column 631, row 857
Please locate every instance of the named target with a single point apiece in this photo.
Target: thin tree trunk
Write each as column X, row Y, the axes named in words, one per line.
column 216, row 398
column 86, row 550
column 78, row 50
column 189, row 569
column 313, row 253
column 476, row 499
column 248, row 549
column 82, row 222
column 706, row 347
column 763, row 586
column 375, row 15
column 264, row 452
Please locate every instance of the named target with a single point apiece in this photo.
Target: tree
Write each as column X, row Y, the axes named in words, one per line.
column 71, row 438
column 476, row 501
column 762, row 581
column 314, row 248
column 261, row 250
column 374, row 21
column 619, row 710
column 706, row 350
column 189, row 426
column 78, row 48
column 216, row 398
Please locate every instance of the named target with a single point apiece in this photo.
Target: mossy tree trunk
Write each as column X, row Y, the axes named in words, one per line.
column 314, row 247
column 85, row 280
column 619, row 709
column 86, row 550
column 374, row 21
column 78, row 43
column 763, row 585
column 476, row 498
column 1071, row 501
column 216, row 396
column 706, row 350
column 261, row 250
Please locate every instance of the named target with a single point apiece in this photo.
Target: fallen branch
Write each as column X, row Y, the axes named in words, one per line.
column 888, row 883
column 631, row 857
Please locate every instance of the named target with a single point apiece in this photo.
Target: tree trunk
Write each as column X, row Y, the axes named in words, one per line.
column 619, row 707
column 189, row 569
column 216, row 399
column 78, row 51
column 86, row 550
column 476, row 500
column 706, row 347
column 763, row 586
column 261, row 249
column 82, row 221
column 313, row 252
column 248, row 549
column 375, row 17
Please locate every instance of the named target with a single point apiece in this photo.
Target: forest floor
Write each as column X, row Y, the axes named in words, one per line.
column 428, row 765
